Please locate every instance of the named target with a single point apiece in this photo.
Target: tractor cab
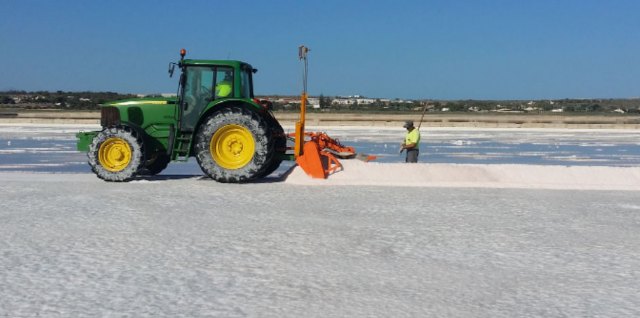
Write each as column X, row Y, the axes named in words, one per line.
column 207, row 83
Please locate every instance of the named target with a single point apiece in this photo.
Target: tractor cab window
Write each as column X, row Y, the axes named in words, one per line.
column 197, row 94
column 224, row 82
column 245, row 83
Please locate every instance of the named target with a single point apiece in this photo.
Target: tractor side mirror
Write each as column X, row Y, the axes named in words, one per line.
column 172, row 66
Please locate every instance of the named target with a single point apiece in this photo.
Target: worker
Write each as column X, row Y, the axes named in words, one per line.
column 411, row 142
column 225, row 87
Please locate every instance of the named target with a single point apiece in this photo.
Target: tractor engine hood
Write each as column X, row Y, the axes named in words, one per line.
column 140, row 112
column 143, row 101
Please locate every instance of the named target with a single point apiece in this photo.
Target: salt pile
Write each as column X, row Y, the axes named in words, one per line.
column 357, row 172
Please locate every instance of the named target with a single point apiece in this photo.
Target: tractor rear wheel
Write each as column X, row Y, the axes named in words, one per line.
column 234, row 145
column 115, row 154
column 280, row 139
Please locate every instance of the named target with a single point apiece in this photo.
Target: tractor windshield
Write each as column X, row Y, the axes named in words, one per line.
column 246, row 87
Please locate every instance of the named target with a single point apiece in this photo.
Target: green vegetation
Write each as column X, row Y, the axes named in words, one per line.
column 91, row 100
column 328, row 104
column 57, row 100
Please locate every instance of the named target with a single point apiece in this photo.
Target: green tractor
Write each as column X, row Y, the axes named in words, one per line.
column 214, row 118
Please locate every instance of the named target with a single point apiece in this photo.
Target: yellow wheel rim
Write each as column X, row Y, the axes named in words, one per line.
column 232, row 146
column 114, row 154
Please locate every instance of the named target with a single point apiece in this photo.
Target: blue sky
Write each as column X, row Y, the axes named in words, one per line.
column 442, row 49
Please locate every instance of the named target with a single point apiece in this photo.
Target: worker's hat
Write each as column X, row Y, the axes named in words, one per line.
column 408, row 124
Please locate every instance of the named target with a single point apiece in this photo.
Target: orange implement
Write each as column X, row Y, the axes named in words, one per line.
column 319, row 152
column 331, row 145
column 317, row 163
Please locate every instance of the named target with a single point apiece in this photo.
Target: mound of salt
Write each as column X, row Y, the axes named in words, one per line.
column 357, row 172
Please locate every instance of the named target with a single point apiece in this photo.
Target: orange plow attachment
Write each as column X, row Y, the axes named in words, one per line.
column 320, row 153
column 317, row 163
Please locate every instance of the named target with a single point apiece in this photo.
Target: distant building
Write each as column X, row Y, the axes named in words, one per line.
column 356, row 99
column 365, row 101
column 313, row 102
column 343, row 101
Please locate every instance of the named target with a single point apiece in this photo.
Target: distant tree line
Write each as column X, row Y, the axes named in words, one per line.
column 58, row 99
column 518, row 106
column 565, row 105
column 326, row 105
column 91, row 100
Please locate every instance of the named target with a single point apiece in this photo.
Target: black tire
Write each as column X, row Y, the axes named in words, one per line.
column 234, row 145
column 280, row 139
column 115, row 154
column 157, row 162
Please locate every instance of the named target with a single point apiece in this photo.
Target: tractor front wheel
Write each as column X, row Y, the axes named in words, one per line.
column 115, row 154
column 234, row 145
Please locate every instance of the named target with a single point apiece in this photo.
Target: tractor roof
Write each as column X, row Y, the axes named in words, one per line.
column 232, row 63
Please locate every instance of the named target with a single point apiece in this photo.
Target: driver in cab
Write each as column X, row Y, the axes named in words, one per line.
column 225, row 87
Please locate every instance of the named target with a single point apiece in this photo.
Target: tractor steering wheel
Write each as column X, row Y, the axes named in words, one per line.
column 204, row 94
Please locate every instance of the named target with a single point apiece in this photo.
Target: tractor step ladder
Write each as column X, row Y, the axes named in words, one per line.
column 182, row 147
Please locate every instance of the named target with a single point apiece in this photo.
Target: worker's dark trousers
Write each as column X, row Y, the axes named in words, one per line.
column 412, row 155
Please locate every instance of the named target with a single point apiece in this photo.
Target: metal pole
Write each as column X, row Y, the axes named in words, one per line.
column 299, row 135
column 424, row 110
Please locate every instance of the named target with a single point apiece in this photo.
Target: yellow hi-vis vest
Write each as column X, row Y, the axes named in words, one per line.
column 413, row 137
column 223, row 89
